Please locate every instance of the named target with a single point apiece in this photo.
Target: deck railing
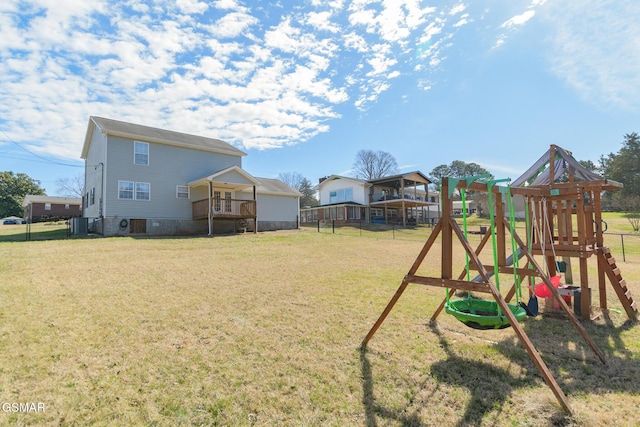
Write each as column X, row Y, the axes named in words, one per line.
column 224, row 208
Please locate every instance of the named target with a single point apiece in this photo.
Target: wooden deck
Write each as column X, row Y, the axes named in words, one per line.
column 224, row 208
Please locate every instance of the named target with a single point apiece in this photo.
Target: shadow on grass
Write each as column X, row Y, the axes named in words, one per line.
column 567, row 355
column 490, row 388
column 564, row 352
column 371, row 408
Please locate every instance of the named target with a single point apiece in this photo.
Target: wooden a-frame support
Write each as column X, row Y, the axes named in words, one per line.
column 447, row 226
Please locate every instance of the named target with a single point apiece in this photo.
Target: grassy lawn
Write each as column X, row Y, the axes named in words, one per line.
column 265, row 330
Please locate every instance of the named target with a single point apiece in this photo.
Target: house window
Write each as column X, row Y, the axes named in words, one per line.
column 140, row 153
column 92, row 196
column 216, row 201
column 143, row 191
column 353, row 212
column 66, row 206
column 125, row 190
column 182, row 192
column 341, row 212
column 86, row 200
column 227, row 201
column 47, row 206
column 342, row 195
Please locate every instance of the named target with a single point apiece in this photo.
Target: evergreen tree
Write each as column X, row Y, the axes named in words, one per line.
column 308, row 194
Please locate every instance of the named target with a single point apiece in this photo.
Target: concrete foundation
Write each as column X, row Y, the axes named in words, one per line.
column 177, row 227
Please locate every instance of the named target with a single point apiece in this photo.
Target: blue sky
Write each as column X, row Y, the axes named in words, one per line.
column 303, row 88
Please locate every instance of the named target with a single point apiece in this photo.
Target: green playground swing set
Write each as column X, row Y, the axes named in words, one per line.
column 551, row 210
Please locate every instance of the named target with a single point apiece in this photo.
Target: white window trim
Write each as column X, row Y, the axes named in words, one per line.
column 135, row 143
column 178, row 192
column 135, row 191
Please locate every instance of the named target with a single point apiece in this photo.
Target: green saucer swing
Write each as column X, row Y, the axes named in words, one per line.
column 486, row 314
column 482, row 314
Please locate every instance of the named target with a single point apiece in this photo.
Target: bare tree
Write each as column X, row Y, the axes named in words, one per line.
column 371, row 164
column 292, row 179
column 71, row 187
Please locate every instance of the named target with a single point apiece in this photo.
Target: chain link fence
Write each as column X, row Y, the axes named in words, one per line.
column 625, row 247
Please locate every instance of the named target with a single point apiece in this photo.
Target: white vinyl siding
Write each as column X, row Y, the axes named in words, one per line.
column 140, row 153
column 171, row 165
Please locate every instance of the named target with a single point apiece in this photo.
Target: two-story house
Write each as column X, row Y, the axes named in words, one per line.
column 400, row 199
column 145, row 180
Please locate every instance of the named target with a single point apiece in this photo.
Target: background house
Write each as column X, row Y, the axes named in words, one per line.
column 144, row 180
column 401, row 199
column 50, row 208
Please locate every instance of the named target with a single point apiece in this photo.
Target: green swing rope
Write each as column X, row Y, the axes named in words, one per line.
column 492, row 218
column 529, row 225
column 466, row 236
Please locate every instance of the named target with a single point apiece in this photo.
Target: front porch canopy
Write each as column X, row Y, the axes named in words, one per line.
column 233, row 178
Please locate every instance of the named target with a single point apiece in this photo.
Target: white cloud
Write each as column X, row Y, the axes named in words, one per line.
column 232, row 25
column 257, row 77
column 192, row 6
column 519, row 19
column 322, row 21
column 594, row 47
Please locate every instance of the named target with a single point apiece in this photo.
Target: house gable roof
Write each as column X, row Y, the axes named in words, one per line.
column 232, row 176
column 160, row 136
column 276, row 187
column 338, row 177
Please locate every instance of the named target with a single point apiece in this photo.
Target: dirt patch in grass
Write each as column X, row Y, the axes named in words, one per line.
column 265, row 330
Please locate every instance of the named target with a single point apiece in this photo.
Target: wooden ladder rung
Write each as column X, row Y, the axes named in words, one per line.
column 605, row 250
column 634, row 306
column 611, row 261
column 627, row 294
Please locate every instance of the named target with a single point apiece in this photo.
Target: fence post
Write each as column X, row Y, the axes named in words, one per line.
column 318, row 226
column 361, row 227
column 393, row 230
column 333, row 226
column 622, row 239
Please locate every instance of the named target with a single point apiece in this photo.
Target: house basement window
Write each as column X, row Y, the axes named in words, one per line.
column 140, row 153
